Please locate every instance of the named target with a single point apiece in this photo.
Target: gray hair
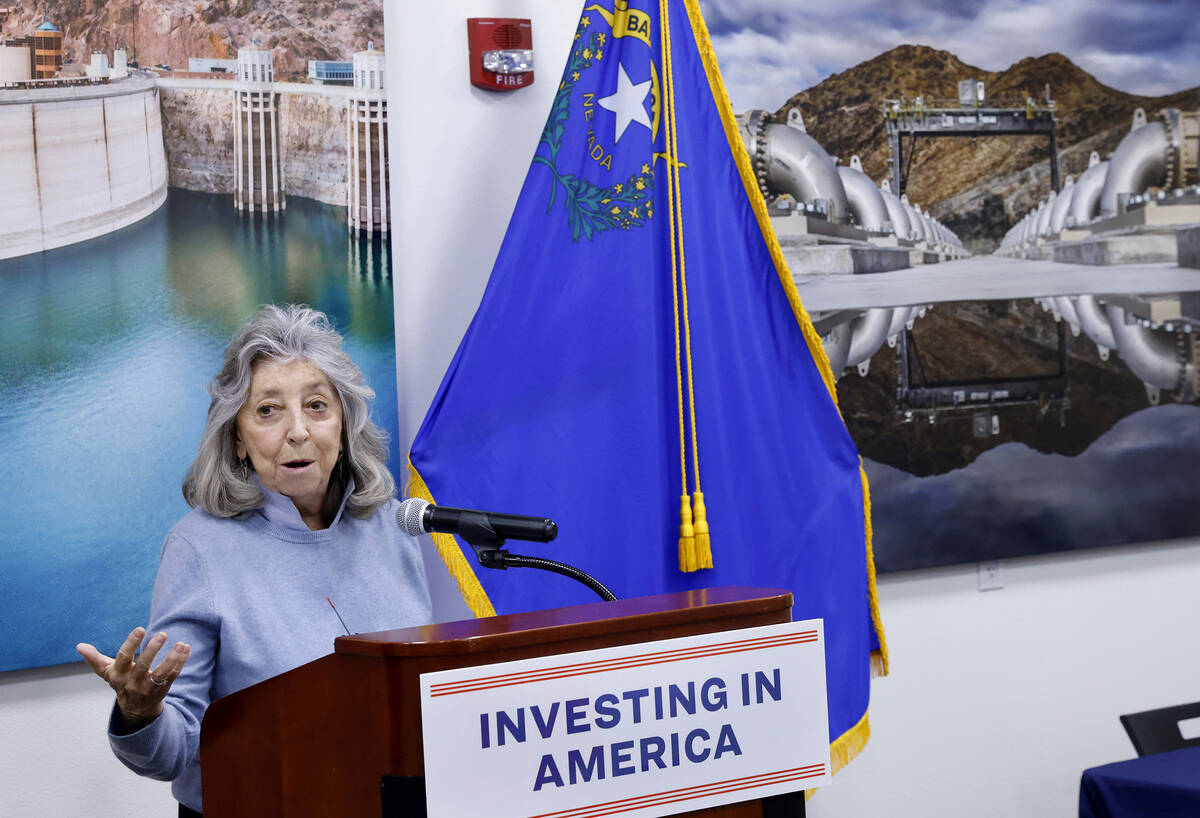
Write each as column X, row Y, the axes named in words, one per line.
column 217, row 480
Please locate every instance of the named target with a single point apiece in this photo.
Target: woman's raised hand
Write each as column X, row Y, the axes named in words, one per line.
column 140, row 691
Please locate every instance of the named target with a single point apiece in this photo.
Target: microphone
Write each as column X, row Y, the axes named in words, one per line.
column 416, row 516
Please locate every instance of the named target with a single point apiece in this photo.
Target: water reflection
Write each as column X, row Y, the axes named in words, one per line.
column 223, row 266
column 105, row 352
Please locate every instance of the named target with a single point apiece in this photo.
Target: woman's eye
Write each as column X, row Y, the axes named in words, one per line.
column 265, row 411
column 318, row 406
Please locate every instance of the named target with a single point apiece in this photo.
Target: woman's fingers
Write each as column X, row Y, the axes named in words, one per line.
column 108, row 667
column 97, row 661
column 169, row 669
column 125, row 655
column 140, row 692
column 141, row 667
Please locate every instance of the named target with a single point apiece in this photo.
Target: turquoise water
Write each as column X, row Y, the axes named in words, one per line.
column 105, row 351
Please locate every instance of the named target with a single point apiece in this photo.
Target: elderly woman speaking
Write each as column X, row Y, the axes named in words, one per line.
column 292, row 505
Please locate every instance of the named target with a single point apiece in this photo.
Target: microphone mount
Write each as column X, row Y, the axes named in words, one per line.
column 475, row 529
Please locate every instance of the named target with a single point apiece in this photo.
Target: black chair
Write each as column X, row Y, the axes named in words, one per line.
column 1157, row 731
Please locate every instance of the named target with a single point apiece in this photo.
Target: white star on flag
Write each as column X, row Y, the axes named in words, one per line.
column 628, row 103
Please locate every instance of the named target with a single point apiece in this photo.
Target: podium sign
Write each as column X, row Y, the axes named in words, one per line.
column 648, row 729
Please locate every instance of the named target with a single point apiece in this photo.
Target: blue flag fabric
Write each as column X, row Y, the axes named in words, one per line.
column 563, row 398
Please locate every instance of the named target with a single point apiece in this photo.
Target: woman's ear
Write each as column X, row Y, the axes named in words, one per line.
column 238, row 447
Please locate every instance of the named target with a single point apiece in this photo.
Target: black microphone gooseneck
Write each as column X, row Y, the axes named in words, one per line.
column 486, row 532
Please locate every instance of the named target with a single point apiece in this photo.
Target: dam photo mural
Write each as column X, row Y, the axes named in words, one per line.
column 1017, row 379
column 144, row 221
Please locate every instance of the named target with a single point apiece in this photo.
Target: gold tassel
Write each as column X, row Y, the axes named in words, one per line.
column 687, row 536
column 703, row 546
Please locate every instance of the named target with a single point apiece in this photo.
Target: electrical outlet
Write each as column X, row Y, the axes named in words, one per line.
column 989, row 576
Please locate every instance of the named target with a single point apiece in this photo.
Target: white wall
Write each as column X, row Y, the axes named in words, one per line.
column 458, row 158
column 54, row 756
column 998, row 700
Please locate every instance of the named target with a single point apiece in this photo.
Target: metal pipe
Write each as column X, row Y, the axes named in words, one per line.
column 1014, row 238
column 1085, row 200
column 868, row 332
column 943, row 232
column 1138, row 162
column 900, row 316
column 1148, row 354
column 796, row 164
column 866, row 204
column 914, row 219
column 931, row 235
column 931, row 227
column 897, row 215
column 1094, row 323
column 1067, row 310
column 948, row 236
column 1031, row 225
column 1043, row 222
column 837, row 347
column 1058, row 213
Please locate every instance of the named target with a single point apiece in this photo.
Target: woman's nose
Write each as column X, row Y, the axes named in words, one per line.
column 297, row 428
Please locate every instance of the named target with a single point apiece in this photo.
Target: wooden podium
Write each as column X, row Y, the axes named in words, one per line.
column 341, row 736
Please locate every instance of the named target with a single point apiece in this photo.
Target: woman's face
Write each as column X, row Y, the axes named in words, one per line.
column 291, row 429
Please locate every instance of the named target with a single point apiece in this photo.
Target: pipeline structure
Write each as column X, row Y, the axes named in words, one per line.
column 840, row 204
column 1154, row 165
column 1140, row 206
column 1126, row 209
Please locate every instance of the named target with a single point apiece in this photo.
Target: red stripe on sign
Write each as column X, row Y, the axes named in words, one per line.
column 660, row 802
column 603, row 665
column 765, row 641
column 689, row 793
column 567, row 673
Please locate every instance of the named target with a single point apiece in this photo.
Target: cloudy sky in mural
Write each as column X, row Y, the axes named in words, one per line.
column 770, row 49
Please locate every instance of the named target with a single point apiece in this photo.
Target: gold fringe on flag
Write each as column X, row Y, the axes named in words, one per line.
column 850, row 743
column 447, row 548
column 879, row 658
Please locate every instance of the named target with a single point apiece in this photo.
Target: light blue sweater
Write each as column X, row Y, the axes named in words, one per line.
column 249, row 597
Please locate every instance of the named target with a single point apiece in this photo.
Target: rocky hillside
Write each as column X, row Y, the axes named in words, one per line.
column 844, row 113
column 981, row 215
column 170, row 31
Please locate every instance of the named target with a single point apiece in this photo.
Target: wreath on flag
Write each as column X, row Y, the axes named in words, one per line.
column 591, row 209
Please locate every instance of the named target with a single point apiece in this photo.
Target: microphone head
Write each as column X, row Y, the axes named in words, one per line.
column 408, row 516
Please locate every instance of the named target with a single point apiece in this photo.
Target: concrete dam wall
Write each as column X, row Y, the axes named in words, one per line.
column 198, row 128
column 78, row 162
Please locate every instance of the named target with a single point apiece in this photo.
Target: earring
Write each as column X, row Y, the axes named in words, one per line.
column 244, row 468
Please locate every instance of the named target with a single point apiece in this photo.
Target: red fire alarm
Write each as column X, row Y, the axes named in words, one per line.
column 501, row 53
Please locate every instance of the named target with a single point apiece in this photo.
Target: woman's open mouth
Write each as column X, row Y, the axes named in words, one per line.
column 297, row 465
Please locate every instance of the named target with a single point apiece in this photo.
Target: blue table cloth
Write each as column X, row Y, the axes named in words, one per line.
column 1163, row 785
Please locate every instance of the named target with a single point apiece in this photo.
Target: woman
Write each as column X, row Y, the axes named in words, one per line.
column 292, row 504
